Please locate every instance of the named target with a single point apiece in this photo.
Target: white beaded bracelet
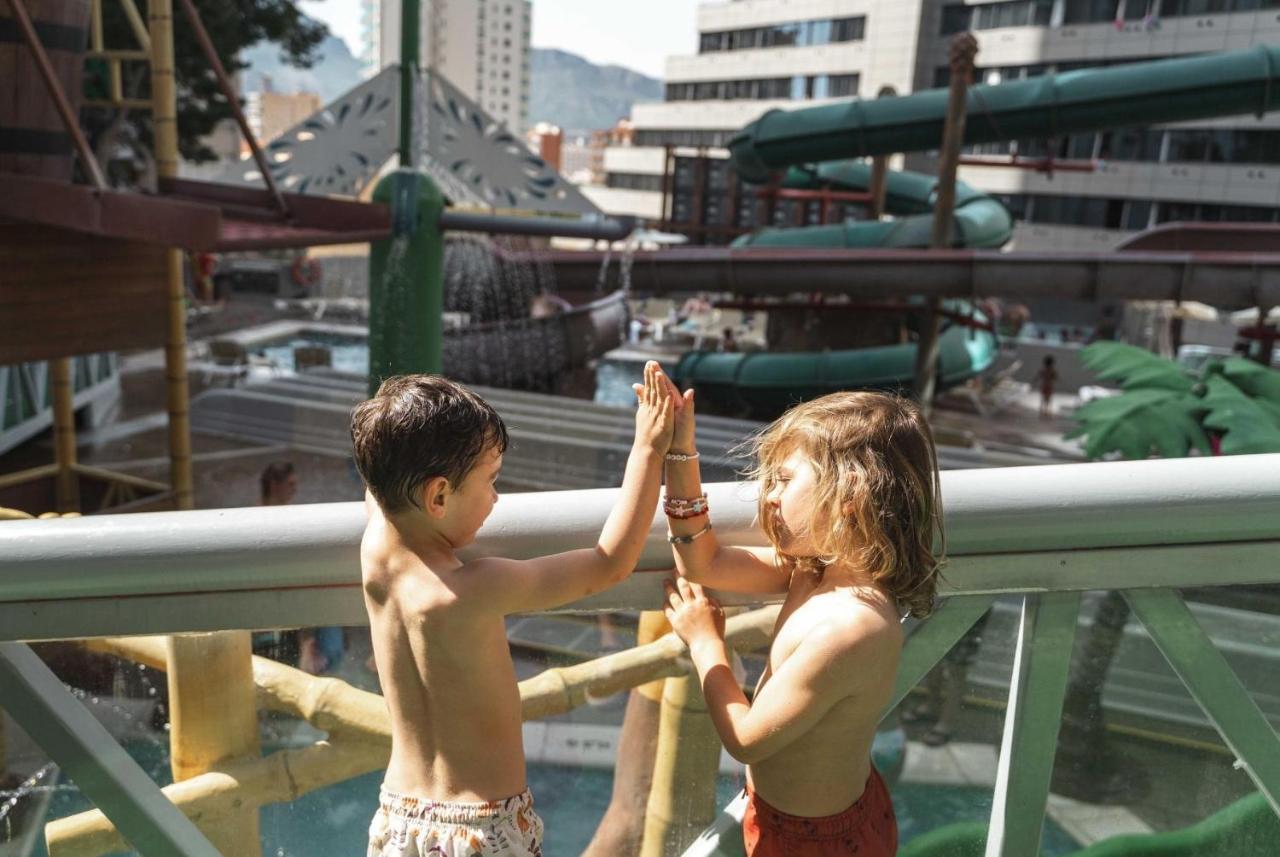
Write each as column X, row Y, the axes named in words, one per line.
column 684, row 540
column 682, row 456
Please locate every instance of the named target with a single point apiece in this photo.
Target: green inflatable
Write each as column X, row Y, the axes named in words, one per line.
column 1247, row 828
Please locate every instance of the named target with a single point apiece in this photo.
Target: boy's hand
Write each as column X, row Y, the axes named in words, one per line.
column 694, row 616
column 655, row 418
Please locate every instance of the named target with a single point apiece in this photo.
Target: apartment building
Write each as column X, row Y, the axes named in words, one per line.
column 481, row 46
column 755, row 55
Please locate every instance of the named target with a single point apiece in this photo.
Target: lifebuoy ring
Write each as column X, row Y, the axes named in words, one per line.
column 305, row 272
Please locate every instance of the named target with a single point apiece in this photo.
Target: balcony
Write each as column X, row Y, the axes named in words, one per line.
column 1185, row 696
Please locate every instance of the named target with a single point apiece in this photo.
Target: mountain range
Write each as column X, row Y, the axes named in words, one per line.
column 565, row 89
column 578, row 95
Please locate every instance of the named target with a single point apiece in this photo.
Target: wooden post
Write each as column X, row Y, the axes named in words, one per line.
column 964, row 47
column 64, row 434
column 621, row 829
column 879, row 170
column 213, row 718
column 212, row 710
column 164, row 113
column 682, row 800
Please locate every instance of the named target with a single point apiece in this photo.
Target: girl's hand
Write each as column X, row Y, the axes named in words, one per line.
column 694, row 616
column 655, row 417
column 682, row 440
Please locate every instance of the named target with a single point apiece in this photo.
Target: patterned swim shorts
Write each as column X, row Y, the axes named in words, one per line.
column 407, row 826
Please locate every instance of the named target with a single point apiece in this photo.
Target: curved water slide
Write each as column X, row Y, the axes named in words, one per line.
column 980, row 221
column 1175, row 90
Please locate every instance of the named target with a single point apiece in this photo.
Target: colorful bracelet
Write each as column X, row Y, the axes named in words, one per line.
column 683, row 456
column 684, row 540
column 680, row 508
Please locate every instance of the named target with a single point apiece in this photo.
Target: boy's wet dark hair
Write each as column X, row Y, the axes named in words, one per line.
column 418, row 427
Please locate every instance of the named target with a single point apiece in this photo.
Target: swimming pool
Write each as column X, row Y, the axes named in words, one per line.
column 571, row 800
column 348, row 353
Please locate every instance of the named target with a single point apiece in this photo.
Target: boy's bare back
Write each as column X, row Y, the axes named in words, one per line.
column 446, row 671
column 430, row 453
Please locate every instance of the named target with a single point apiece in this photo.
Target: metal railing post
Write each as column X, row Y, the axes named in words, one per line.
column 64, row 728
column 1041, row 663
column 1209, row 677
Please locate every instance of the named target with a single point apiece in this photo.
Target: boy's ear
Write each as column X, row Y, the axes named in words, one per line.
column 434, row 492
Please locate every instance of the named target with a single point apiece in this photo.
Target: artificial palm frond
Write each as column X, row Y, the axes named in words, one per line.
column 1166, row 410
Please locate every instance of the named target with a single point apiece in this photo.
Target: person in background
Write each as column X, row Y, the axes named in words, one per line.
column 1047, row 377
column 316, row 650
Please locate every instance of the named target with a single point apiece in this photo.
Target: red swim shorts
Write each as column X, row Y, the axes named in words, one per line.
column 867, row 828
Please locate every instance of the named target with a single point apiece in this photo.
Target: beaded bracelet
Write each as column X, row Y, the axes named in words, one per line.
column 682, row 456
column 684, row 540
column 680, row 508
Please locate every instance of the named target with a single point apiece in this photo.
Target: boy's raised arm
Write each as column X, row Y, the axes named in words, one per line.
column 519, row 586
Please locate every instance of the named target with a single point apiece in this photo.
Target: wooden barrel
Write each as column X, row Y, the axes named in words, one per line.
column 33, row 140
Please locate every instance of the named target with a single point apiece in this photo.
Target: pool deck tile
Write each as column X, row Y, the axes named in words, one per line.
column 1088, row 823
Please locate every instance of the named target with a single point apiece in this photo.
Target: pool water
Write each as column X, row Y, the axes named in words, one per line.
column 334, row 821
column 349, row 354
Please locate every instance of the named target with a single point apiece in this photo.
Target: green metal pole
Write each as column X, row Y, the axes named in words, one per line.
column 406, row 280
column 410, row 23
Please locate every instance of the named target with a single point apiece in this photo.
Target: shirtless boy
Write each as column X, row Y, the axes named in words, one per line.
column 430, row 451
column 849, row 503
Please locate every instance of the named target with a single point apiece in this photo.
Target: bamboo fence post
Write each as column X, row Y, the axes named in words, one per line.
column 682, row 798
column 64, row 435
column 213, row 717
column 211, row 691
column 164, row 118
column 359, row 728
column 621, row 829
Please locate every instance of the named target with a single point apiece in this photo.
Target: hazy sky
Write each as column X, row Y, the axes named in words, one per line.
column 638, row 34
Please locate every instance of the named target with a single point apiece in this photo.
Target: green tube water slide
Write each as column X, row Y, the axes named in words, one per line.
column 764, row 384
column 980, row 222
column 1177, row 90
column 815, row 144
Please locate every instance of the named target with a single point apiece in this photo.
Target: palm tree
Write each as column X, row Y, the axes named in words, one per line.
column 1228, row 407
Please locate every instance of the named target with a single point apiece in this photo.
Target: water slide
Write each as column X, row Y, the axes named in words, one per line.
column 813, row 145
column 1177, row 90
column 980, row 222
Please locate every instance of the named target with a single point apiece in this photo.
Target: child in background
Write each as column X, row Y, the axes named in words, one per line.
column 849, row 502
column 429, row 451
column 1047, row 378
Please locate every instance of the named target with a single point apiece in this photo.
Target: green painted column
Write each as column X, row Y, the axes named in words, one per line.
column 406, row 280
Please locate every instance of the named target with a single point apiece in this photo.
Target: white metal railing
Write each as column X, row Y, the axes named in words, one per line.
column 1046, row 533
column 1174, row 523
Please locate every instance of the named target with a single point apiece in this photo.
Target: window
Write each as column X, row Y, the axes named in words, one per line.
column 843, row 85
column 710, row 42
column 1137, row 214
column 849, row 29
column 1090, row 11
column 955, row 19
column 1188, row 146
column 820, row 31
column 634, row 181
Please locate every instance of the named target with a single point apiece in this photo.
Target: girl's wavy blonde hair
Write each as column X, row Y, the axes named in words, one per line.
column 874, row 453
